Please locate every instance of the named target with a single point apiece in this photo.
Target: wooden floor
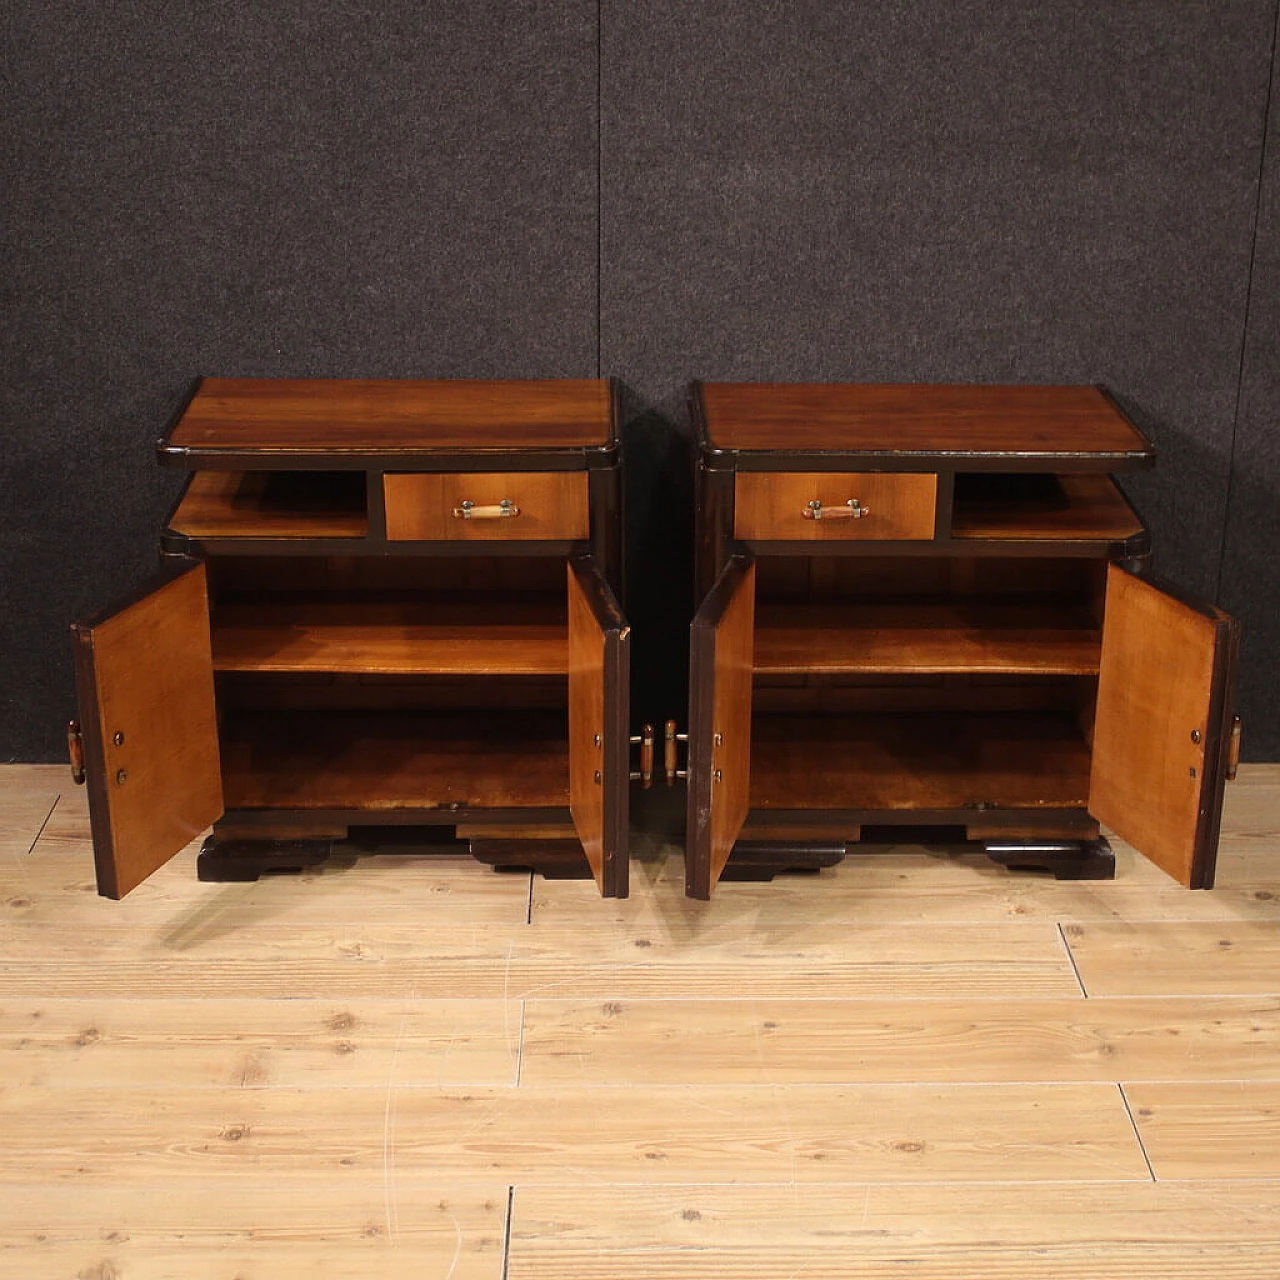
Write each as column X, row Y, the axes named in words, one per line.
column 916, row 1064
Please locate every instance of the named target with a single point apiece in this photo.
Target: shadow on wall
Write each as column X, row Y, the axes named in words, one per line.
column 658, row 492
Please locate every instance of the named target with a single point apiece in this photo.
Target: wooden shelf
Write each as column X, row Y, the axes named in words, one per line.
column 273, row 504
column 490, row 637
column 1013, row 760
column 388, row 760
column 1030, row 507
column 955, row 637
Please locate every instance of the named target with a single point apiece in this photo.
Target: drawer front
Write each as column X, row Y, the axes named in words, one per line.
column 464, row 507
column 854, row 506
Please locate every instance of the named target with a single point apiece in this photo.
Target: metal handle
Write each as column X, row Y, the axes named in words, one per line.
column 671, row 753
column 1233, row 749
column 852, row 510
column 645, row 740
column 505, row 510
column 75, row 749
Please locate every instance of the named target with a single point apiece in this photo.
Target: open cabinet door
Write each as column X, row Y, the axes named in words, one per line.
column 721, row 651
column 599, row 698
column 1163, row 729
column 144, row 681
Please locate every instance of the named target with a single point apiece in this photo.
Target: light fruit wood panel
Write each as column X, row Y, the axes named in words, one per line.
column 832, row 1042
column 167, row 1043
column 551, row 504
column 1187, row 958
column 144, row 682
column 1072, row 1231
column 1209, row 1130
column 770, row 505
column 347, row 1230
column 471, row 1135
column 918, row 418
column 1087, row 507
column 328, row 415
column 1157, row 770
column 813, row 639
column 721, row 641
column 264, row 504
column 198, row 954
column 492, row 638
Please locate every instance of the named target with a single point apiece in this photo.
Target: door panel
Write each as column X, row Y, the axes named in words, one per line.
column 1162, row 732
column 144, row 679
column 599, row 679
column 721, row 647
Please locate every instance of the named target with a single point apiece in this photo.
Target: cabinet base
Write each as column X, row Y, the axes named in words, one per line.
column 238, row 861
column 551, row 859
column 1066, row 859
column 761, row 860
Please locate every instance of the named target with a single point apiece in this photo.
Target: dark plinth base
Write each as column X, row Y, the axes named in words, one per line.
column 1066, row 859
column 551, row 859
column 222, row 861
column 761, row 860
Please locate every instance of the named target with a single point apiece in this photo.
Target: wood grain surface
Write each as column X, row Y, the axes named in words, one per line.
column 350, row 415
column 953, row 638
column 1085, row 507
column 771, row 505
column 265, row 504
column 487, row 637
column 405, row 1065
column 420, row 505
column 890, row 418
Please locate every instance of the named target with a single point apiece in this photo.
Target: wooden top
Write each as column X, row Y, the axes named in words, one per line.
column 277, row 419
column 987, row 425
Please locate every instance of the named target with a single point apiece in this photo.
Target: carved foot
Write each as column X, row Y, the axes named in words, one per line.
column 761, row 860
column 551, row 859
column 1067, row 859
column 243, row 860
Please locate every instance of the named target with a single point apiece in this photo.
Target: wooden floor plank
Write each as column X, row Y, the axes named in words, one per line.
column 802, row 1134
column 203, row 956
column 1209, row 1130
column 346, row 1230
column 243, row 1043
column 1125, row 958
column 1070, row 1231
column 835, row 1042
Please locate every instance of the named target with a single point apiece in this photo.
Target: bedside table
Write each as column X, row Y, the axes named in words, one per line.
column 385, row 604
column 924, row 614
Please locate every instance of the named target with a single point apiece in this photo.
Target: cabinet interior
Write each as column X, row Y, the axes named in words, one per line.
column 941, row 682
column 391, row 682
column 1038, row 505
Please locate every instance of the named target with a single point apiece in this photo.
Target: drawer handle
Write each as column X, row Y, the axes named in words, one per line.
column 503, row 511
column 852, row 510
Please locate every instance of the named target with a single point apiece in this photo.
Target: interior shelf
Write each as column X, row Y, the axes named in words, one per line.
column 1036, row 506
column 273, row 504
column 953, row 637
column 341, row 634
column 1010, row 760
column 388, row 760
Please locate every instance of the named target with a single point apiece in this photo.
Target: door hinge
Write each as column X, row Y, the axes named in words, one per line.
column 75, row 749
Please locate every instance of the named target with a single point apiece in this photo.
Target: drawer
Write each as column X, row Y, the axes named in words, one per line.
column 430, row 506
column 777, row 505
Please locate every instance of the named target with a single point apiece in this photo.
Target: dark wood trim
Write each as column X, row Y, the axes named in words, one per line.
column 551, row 859
column 605, row 503
column 715, row 494
column 177, row 416
column 851, row 819
column 1085, row 548
column 945, row 505
column 926, row 460
column 438, row 817
column 616, row 763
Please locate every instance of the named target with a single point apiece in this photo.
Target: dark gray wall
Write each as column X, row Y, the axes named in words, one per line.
column 1060, row 191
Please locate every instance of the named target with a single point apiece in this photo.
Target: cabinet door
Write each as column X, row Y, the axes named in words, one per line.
column 599, row 679
column 1163, row 726
column 144, row 680
column 721, row 647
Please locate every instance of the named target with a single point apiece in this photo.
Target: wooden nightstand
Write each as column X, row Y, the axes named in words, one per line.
column 385, row 604
column 923, row 609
